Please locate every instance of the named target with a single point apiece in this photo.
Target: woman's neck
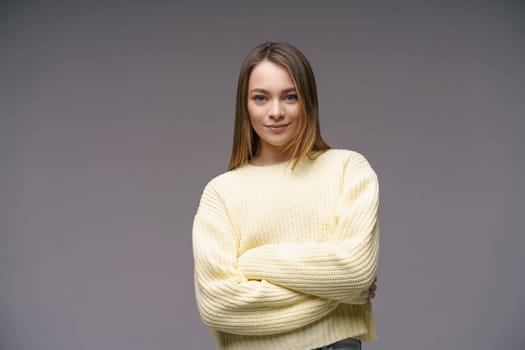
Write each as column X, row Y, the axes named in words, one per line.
column 270, row 156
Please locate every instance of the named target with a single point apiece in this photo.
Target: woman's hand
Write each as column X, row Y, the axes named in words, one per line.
column 372, row 289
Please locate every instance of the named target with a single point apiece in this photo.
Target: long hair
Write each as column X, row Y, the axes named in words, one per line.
column 307, row 141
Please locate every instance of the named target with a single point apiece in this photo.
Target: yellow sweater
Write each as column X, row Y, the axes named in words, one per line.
column 284, row 259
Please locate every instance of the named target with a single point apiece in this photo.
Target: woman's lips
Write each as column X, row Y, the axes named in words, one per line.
column 277, row 127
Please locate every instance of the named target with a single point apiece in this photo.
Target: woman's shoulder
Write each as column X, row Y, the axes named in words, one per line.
column 221, row 182
column 346, row 159
column 343, row 155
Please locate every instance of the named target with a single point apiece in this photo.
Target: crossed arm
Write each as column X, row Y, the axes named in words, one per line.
column 280, row 287
column 230, row 302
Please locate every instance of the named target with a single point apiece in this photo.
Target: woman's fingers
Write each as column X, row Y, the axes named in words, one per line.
column 372, row 289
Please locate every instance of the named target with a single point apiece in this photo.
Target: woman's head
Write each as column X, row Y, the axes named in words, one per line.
column 287, row 63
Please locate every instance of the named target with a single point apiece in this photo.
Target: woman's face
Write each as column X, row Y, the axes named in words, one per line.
column 272, row 105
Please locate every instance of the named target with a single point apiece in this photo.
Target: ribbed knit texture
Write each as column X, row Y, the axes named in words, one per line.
column 284, row 258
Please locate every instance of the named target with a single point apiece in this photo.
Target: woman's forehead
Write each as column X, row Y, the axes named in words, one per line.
column 270, row 76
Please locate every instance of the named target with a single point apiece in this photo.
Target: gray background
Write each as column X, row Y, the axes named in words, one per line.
column 115, row 114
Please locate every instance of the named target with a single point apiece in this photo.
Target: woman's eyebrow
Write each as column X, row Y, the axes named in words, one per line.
column 285, row 91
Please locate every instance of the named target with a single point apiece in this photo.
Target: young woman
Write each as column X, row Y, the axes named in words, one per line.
column 285, row 242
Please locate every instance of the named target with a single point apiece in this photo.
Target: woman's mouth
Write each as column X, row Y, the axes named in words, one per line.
column 277, row 127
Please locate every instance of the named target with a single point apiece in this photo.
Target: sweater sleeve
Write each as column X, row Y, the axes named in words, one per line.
column 341, row 269
column 228, row 301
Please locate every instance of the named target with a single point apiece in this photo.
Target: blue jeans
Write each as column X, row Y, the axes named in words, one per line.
column 345, row 344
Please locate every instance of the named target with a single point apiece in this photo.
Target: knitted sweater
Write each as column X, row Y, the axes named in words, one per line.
column 284, row 258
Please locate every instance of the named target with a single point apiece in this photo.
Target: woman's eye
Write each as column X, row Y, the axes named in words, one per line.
column 291, row 98
column 259, row 98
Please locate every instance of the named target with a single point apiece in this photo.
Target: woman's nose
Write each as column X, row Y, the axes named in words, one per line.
column 276, row 110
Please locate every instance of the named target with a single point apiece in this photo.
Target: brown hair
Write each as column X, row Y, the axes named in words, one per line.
column 308, row 140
